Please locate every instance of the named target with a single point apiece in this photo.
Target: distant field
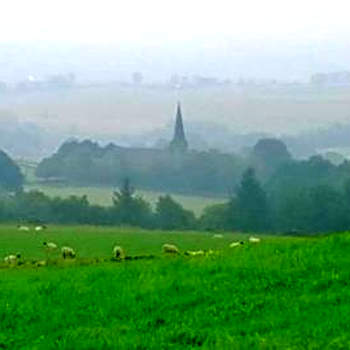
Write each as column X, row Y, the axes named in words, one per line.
column 113, row 110
column 103, row 196
column 283, row 293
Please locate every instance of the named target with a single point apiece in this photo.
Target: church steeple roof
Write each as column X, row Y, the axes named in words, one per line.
column 179, row 142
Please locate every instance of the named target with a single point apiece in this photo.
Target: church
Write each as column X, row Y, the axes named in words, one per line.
column 145, row 158
column 179, row 142
column 114, row 161
column 173, row 168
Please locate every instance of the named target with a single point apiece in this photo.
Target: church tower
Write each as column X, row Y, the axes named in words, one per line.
column 179, row 143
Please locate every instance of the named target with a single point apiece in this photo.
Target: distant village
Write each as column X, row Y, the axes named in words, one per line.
column 69, row 80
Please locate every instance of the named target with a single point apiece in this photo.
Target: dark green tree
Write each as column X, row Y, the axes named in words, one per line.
column 216, row 217
column 327, row 210
column 170, row 215
column 252, row 204
column 130, row 209
column 268, row 155
column 292, row 211
column 73, row 209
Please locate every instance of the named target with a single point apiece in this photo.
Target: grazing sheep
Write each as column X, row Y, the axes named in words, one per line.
column 236, row 244
column 12, row 259
column 212, row 252
column 254, row 239
column 41, row 263
column 118, row 252
column 218, row 235
column 22, row 228
column 170, row 248
column 68, row 252
column 40, row 227
column 195, row 252
column 50, row 246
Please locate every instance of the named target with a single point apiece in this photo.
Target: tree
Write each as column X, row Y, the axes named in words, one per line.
column 292, row 211
column 251, row 204
column 215, row 217
column 73, row 209
column 171, row 215
column 327, row 209
column 271, row 151
column 11, row 178
column 268, row 155
column 130, row 209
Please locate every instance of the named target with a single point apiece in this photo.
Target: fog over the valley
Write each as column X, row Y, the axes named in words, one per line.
column 113, row 72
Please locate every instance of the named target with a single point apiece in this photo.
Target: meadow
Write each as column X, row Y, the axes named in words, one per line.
column 283, row 293
column 103, row 195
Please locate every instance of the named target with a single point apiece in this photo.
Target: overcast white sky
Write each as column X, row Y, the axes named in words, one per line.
column 93, row 21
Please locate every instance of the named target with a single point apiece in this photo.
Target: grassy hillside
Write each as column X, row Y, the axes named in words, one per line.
column 103, row 196
column 284, row 293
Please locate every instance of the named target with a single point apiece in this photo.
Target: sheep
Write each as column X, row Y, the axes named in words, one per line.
column 22, row 228
column 195, row 252
column 236, row 244
column 50, row 246
column 254, row 239
column 40, row 227
column 170, row 248
column 212, row 252
column 12, row 259
column 41, row 263
column 68, row 252
column 218, row 235
column 118, row 252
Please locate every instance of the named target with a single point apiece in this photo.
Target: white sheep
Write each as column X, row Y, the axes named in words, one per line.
column 195, row 252
column 68, row 252
column 170, row 248
column 118, row 252
column 22, row 228
column 218, row 235
column 212, row 252
column 41, row 263
column 254, row 239
column 50, row 246
column 12, row 259
column 40, row 228
column 236, row 244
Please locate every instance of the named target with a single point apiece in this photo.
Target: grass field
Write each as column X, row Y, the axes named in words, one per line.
column 283, row 293
column 103, row 196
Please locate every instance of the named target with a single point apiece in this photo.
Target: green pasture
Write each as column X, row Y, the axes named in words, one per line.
column 282, row 293
column 93, row 241
column 103, row 196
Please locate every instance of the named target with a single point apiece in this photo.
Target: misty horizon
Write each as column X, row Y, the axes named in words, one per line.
column 68, row 69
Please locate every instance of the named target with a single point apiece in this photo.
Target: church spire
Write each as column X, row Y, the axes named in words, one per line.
column 179, row 143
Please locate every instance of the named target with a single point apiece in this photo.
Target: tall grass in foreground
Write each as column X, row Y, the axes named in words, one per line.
column 284, row 293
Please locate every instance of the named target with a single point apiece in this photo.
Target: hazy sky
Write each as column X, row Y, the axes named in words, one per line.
column 286, row 40
column 164, row 21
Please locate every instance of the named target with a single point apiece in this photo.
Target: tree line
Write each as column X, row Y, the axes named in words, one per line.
column 251, row 209
column 128, row 208
column 87, row 163
column 275, row 193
